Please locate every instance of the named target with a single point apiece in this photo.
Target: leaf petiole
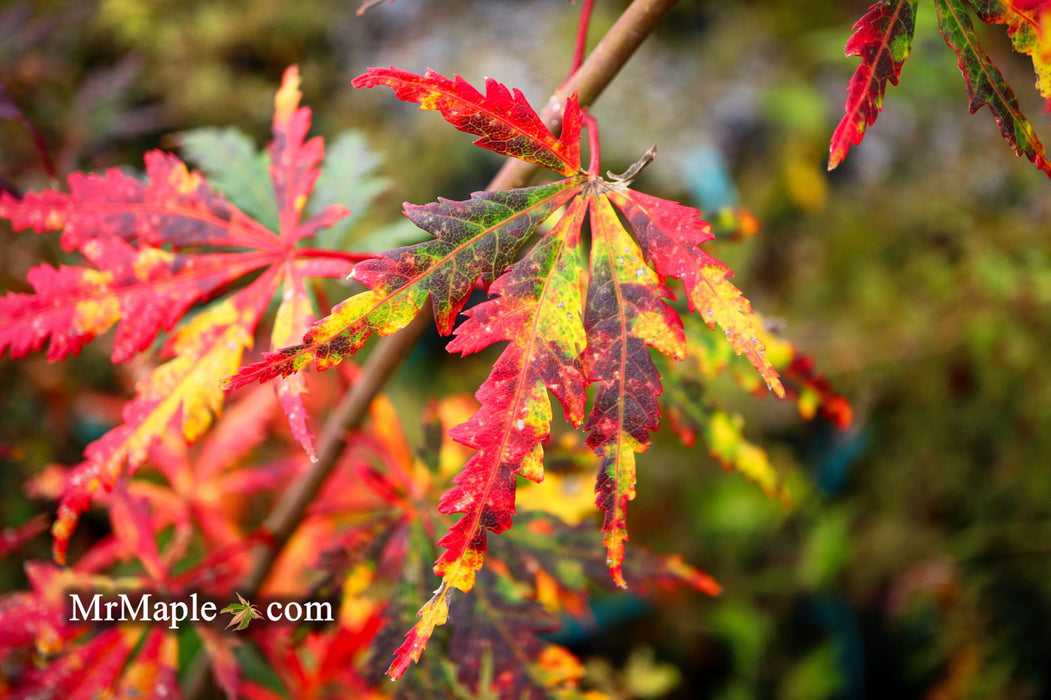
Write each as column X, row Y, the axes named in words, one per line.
column 629, row 175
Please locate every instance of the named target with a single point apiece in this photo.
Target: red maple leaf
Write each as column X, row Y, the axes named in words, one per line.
column 883, row 40
column 156, row 249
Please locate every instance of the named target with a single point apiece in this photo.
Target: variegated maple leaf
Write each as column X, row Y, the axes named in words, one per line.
column 883, row 40
column 155, row 250
column 1028, row 24
column 569, row 322
column 986, row 85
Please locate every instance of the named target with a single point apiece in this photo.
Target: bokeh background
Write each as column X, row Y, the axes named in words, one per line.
column 917, row 560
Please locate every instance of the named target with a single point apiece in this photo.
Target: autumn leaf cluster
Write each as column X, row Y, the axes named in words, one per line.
column 582, row 275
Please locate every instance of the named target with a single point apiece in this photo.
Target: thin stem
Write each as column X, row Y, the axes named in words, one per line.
column 591, row 124
column 638, row 21
column 334, row 254
column 366, row 5
column 582, row 35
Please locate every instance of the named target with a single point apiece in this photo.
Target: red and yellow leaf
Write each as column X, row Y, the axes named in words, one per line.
column 1029, row 26
column 159, row 248
column 173, row 206
column 294, row 316
column 536, row 306
column 670, row 235
column 474, row 239
column 142, row 291
column 625, row 312
column 883, row 40
column 501, row 117
column 986, row 84
column 182, row 393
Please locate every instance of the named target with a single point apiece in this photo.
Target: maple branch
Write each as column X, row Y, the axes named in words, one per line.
column 601, row 66
column 288, row 512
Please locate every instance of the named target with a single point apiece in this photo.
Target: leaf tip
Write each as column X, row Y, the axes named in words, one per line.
column 288, row 95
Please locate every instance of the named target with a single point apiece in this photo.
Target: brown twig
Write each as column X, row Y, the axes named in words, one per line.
column 609, row 56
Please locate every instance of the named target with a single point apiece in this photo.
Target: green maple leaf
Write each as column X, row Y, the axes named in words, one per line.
column 243, row 613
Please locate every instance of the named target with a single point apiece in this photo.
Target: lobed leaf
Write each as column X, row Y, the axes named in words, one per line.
column 180, row 393
column 157, row 248
column 143, row 291
column 625, row 312
column 503, row 119
column 670, row 235
column 536, row 306
column 883, row 40
column 473, row 239
column 175, row 206
column 986, row 84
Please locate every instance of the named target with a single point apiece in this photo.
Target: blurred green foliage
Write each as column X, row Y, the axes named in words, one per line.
column 916, row 562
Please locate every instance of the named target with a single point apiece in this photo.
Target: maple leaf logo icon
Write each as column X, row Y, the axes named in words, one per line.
column 243, row 613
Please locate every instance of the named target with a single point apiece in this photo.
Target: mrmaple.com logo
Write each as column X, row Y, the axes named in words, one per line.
column 153, row 609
